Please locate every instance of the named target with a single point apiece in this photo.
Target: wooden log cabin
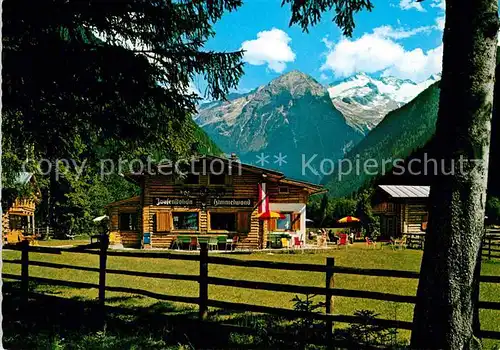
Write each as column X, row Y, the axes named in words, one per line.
column 18, row 218
column 402, row 209
column 216, row 196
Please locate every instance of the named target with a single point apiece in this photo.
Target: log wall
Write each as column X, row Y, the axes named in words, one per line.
column 409, row 214
column 243, row 186
column 414, row 215
column 132, row 239
column 21, row 206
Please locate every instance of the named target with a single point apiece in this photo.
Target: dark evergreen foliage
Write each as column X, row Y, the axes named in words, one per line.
column 90, row 71
column 86, row 80
column 308, row 12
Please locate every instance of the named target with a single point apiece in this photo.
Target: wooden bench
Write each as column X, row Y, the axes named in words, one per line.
column 182, row 240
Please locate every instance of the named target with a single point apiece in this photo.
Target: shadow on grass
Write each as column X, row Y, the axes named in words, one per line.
column 52, row 322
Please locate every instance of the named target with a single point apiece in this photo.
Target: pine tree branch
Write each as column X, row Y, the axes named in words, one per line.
column 307, row 13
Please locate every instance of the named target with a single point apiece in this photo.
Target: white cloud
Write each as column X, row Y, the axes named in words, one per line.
column 271, row 47
column 416, row 65
column 411, row 4
column 440, row 22
column 439, row 4
column 327, row 42
column 379, row 52
column 193, row 89
column 399, row 33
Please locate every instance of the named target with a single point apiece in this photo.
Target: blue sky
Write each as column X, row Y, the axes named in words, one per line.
column 399, row 37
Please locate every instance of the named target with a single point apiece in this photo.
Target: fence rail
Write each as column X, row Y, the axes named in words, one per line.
column 491, row 244
column 204, row 280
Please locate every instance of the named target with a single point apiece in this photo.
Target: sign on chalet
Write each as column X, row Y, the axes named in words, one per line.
column 217, row 196
column 402, row 209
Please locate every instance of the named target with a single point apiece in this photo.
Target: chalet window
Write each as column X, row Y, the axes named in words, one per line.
column 296, row 222
column 223, row 221
column 185, row 220
column 285, row 223
column 283, row 189
column 17, row 222
column 217, row 179
column 128, row 222
column 191, row 179
column 244, row 221
column 291, row 221
column 161, row 222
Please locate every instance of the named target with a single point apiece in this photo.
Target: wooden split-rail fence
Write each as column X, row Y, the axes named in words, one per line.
column 491, row 244
column 329, row 291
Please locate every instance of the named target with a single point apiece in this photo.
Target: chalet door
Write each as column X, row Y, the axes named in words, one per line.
column 391, row 228
column 387, row 226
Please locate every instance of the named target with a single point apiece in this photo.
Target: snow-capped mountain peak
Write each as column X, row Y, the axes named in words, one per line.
column 292, row 114
column 365, row 100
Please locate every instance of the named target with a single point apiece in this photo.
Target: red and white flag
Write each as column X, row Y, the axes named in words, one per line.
column 263, row 199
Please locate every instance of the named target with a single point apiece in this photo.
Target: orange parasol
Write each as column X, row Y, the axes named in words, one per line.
column 348, row 219
column 271, row 215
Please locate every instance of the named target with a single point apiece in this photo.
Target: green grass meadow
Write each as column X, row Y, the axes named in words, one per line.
column 355, row 256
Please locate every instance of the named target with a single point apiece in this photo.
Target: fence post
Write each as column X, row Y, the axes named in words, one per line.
column 104, row 240
column 330, row 284
column 25, row 245
column 489, row 248
column 203, row 282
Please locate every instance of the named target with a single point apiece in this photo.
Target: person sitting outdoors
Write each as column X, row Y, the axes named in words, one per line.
column 324, row 237
column 311, row 235
column 318, row 238
column 321, row 238
column 332, row 237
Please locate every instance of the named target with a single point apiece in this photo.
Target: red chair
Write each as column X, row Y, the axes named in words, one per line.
column 297, row 242
column 232, row 243
column 343, row 240
column 194, row 243
column 370, row 243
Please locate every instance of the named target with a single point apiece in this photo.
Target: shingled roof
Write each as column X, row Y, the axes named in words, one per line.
column 404, row 191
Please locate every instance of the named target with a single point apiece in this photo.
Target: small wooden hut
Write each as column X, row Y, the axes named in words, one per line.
column 402, row 209
column 18, row 220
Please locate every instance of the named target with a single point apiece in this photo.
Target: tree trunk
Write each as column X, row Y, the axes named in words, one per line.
column 446, row 294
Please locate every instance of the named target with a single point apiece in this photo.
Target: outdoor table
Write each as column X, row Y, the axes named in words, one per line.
column 182, row 240
column 186, row 239
column 274, row 240
column 202, row 239
column 222, row 240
